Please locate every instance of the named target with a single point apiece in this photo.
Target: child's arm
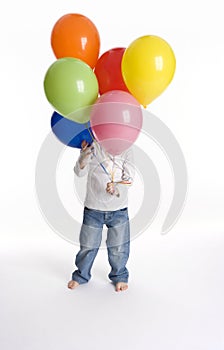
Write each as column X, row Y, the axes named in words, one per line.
column 81, row 166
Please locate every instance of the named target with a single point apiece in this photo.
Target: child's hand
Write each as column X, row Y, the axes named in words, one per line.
column 110, row 188
column 86, row 151
column 84, row 145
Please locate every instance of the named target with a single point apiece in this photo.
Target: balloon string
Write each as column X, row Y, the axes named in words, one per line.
column 94, row 140
column 96, row 143
column 103, row 167
column 90, row 132
column 109, row 174
column 92, row 136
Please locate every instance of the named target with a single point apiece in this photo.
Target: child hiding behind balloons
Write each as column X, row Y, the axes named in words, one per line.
column 106, row 203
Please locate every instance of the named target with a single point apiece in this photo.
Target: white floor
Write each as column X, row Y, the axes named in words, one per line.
column 174, row 301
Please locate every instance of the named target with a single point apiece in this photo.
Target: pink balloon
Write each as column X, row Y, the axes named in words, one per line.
column 116, row 121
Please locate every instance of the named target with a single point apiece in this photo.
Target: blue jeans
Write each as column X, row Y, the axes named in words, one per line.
column 118, row 243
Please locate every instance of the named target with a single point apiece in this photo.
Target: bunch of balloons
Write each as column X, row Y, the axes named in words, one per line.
column 101, row 97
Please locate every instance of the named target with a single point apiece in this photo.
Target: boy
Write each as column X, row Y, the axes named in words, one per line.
column 106, row 203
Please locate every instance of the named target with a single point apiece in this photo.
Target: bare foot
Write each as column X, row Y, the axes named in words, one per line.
column 121, row 286
column 73, row 284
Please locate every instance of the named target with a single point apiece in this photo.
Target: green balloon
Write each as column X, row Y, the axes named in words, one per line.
column 70, row 84
column 81, row 115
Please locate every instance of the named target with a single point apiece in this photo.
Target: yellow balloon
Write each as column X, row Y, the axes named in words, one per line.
column 148, row 66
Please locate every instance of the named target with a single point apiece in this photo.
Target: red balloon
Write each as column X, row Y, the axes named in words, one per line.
column 108, row 71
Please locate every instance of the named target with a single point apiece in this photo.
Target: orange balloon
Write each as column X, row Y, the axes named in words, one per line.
column 75, row 35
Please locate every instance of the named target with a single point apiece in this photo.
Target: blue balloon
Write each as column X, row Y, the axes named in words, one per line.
column 69, row 132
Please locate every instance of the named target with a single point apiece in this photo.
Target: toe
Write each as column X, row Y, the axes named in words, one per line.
column 120, row 286
column 72, row 284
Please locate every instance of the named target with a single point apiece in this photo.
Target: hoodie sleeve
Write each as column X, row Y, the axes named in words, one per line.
column 78, row 171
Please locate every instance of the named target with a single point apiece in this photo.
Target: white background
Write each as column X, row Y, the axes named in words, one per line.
column 175, row 297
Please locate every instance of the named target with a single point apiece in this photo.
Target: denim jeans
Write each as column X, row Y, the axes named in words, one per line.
column 118, row 243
